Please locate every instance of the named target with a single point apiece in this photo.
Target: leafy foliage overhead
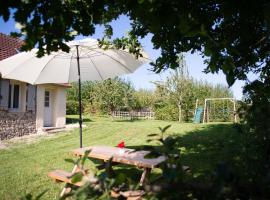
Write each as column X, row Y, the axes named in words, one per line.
column 233, row 35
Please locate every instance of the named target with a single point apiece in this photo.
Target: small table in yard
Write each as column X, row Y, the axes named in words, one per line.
column 105, row 153
column 129, row 157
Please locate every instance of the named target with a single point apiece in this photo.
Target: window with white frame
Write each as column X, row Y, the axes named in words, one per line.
column 14, row 97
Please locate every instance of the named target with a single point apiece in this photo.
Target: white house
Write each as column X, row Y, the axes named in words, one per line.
column 25, row 108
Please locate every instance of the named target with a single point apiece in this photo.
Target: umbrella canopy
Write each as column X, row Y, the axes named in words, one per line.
column 61, row 67
column 86, row 61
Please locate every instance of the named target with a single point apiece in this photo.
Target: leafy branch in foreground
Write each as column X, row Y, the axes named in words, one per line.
column 216, row 29
column 31, row 197
column 129, row 43
column 104, row 184
column 177, row 181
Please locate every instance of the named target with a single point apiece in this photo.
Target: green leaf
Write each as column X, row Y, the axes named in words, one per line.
column 77, row 177
column 85, row 157
column 230, row 79
column 169, row 142
column 41, row 194
column 108, row 32
column 163, row 130
column 152, row 135
column 207, row 51
column 27, row 197
column 149, row 140
column 120, row 178
column 70, row 161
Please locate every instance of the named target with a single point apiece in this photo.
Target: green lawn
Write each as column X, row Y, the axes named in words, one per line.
column 24, row 166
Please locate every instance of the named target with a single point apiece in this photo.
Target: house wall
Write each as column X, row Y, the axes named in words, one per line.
column 22, row 97
column 14, row 124
column 58, row 103
column 40, row 105
column 60, row 107
column 29, row 118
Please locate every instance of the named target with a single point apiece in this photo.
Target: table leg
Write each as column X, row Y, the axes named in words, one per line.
column 145, row 176
column 66, row 188
column 109, row 169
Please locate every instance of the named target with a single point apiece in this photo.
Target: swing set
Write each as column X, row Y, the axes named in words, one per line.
column 215, row 110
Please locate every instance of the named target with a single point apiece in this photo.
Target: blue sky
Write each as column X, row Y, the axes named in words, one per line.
column 143, row 77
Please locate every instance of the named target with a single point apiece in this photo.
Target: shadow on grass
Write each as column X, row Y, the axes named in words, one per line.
column 202, row 150
column 73, row 120
column 127, row 120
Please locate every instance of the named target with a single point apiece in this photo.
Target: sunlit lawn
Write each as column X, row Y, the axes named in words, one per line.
column 24, row 167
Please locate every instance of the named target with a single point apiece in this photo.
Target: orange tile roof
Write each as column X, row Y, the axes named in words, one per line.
column 9, row 46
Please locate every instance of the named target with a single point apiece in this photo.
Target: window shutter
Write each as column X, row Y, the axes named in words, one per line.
column 4, row 92
column 31, row 97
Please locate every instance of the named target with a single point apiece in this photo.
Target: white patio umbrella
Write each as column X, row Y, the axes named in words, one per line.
column 86, row 61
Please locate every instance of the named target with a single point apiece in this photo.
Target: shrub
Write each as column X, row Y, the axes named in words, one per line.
column 166, row 112
column 72, row 107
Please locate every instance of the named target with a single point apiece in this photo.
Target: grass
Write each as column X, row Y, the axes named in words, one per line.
column 24, row 166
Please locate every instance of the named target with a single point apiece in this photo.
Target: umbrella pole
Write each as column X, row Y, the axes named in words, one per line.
column 80, row 95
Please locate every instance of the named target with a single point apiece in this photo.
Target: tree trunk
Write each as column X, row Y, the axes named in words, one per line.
column 179, row 112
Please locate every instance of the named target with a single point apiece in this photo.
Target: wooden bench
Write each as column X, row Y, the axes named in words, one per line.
column 129, row 195
column 63, row 176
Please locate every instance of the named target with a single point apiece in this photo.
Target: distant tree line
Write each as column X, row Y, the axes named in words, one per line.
column 179, row 103
column 101, row 97
column 173, row 99
column 176, row 96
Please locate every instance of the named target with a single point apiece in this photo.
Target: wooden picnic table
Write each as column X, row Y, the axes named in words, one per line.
column 129, row 157
column 105, row 153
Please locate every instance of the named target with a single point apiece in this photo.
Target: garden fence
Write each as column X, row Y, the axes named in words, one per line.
column 133, row 115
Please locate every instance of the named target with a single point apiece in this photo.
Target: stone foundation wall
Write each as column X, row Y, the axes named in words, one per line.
column 16, row 124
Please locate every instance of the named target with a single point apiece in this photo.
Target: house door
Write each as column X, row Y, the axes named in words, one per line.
column 48, row 108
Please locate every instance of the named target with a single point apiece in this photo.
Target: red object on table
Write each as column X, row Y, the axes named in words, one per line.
column 121, row 145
